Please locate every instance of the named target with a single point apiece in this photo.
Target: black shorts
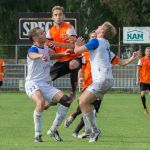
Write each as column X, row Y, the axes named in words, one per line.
column 1, row 83
column 144, row 86
column 62, row 68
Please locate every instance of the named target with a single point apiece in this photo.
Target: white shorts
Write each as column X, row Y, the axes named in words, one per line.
column 46, row 89
column 99, row 88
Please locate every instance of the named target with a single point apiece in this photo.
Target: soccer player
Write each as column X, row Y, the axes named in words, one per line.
column 38, row 88
column 66, row 63
column 85, row 75
column 2, row 71
column 87, row 80
column 143, row 77
column 101, row 69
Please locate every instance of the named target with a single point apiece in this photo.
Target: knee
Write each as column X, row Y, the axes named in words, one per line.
column 65, row 101
column 142, row 94
column 73, row 64
column 40, row 105
column 81, row 103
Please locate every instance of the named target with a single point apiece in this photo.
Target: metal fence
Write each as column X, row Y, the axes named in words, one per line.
column 124, row 78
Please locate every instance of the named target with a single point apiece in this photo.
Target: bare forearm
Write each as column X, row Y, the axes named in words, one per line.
column 64, row 45
column 57, row 55
column 138, row 75
column 126, row 61
column 35, row 55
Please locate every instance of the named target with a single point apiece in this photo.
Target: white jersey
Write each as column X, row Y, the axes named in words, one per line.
column 100, row 59
column 38, row 69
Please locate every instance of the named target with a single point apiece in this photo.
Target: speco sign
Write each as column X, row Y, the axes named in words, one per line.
column 28, row 21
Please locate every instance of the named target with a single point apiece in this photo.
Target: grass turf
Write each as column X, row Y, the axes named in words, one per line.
column 121, row 119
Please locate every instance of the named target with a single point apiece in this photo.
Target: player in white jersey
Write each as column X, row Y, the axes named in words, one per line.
column 101, row 59
column 101, row 69
column 37, row 87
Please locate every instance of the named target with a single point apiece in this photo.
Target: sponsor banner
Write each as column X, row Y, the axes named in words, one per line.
column 28, row 21
column 139, row 35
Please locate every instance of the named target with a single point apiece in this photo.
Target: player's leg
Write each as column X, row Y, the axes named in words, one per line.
column 85, row 102
column 94, row 91
column 97, row 105
column 39, row 102
column 87, row 131
column 59, row 69
column 72, row 117
column 34, row 91
column 74, row 66
column 74, row 83
column 62, row 110
column 1, row 83
column 143, row 88
column 80, row 125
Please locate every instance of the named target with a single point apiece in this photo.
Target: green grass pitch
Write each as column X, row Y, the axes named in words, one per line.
column 121, row 119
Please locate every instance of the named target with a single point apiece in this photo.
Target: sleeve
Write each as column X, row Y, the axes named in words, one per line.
column 139, row 65
column 48, row 36
column 71, row 31
column 33, row 50
column 92, row 44
column 114, row 58
column 3, row 64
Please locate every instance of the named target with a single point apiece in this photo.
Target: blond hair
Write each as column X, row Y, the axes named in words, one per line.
column 58, row 8
column 110, row 30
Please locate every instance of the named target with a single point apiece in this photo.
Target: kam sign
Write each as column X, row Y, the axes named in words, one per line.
column 139, row 35
column 28, row 21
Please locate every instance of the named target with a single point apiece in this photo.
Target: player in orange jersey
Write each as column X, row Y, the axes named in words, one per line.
column 2, row 71
column 66, row 62
column 143, row 77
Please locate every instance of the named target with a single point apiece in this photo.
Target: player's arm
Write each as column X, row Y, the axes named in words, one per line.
column 59, row 55
column 138, row 72
column 4, row 69
column 124, row 62
column 91, row 45
column 64, row 45
column 34, row 54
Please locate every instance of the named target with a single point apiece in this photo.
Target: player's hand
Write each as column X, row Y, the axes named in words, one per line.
column 70, row 51
column 137, row 83
column 136, row 54
column 67, row 52
column 80, row 41
column 44, row 57
column 69, row 38
column 51, row 52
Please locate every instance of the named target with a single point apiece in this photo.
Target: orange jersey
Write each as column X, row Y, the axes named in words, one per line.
column 56, row 35
column 2, row 65
column 87, row 71
column 87, row 68
column 144, row 68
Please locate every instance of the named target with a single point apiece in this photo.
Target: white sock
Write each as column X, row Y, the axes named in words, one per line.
column 60, row 115
column 92, row 120
column 87, row 124
column 37, row 123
